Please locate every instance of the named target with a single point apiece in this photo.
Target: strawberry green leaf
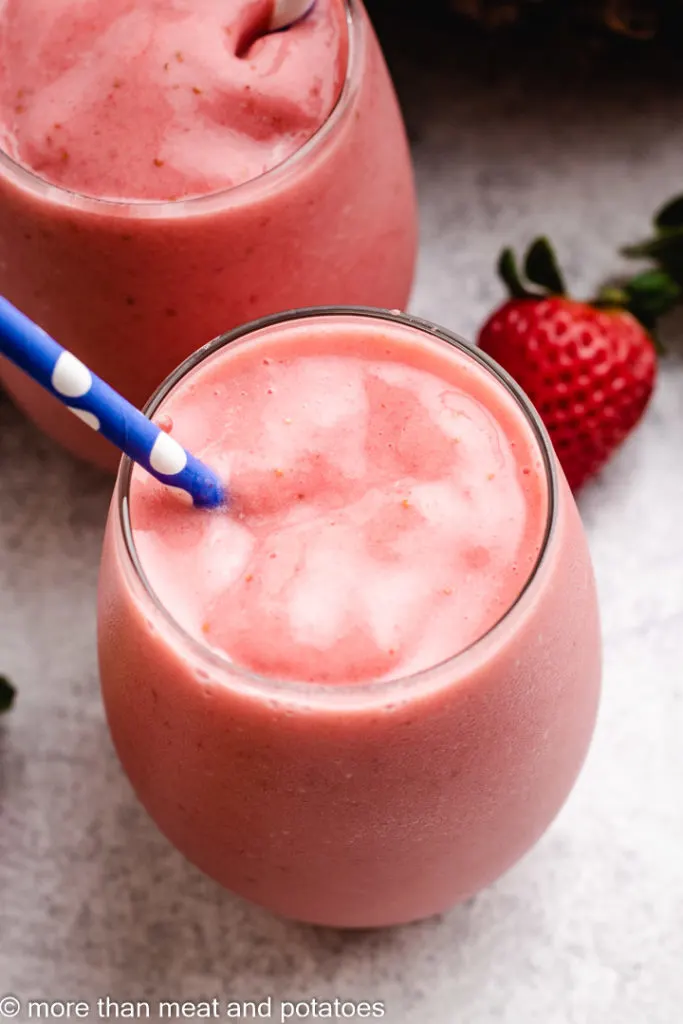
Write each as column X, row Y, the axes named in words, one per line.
column 7, row 694
column 637, row 251
column 665, row 246
column 650, row 295
column 540, row 266
column 509, row 273
column 656, row 288
column 647, row 297
column 670, row 215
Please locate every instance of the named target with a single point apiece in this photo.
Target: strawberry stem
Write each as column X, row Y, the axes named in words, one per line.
column 611, row 297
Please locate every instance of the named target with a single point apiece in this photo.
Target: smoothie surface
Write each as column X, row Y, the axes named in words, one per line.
column 388, row 503
column 162, row 99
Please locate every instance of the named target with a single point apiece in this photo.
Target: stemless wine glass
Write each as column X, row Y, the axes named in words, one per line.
column 133, row 287
column 370, row 803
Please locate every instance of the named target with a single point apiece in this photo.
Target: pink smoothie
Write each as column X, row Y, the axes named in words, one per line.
column 163, row 99
column 169, row 169
column 388, row 505
column 364, row 690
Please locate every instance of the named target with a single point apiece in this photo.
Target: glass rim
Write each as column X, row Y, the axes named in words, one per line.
column 275, row 687
column 153, row 208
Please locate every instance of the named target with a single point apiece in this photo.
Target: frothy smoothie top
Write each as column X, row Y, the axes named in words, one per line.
column 389, row 504
column 162, row 99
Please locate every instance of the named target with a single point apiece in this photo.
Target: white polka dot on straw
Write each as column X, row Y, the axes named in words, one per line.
column 70, row 377
column 167, row 456
column 88, row 417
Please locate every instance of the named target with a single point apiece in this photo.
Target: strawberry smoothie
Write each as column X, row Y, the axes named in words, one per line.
column 362, row 691
column 170, row 168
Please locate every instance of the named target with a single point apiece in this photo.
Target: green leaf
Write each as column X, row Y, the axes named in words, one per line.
column 664, row 246
column 7, row 694
column 652, row 294
column 509, row 274
column 670, row 215
column 654, row 286
column 540, row 266
column 647, row 296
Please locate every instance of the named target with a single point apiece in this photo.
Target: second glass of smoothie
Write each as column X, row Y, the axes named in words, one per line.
column 168, row 171
column 365, row 689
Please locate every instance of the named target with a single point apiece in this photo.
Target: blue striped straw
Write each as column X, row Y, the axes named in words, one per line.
column 68, row 379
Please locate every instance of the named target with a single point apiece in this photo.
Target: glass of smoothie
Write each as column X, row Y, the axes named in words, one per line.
column 363, row 690
column 170, row 170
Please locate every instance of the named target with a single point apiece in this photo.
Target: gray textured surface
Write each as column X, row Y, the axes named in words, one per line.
column 589, row 927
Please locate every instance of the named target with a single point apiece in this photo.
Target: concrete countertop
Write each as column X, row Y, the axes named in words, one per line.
column 588, row 928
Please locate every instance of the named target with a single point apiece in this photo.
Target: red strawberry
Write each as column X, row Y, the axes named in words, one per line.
column 589, row 368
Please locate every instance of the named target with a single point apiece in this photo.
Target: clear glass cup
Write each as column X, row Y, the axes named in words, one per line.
column 366, row 804
column 132, row 288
